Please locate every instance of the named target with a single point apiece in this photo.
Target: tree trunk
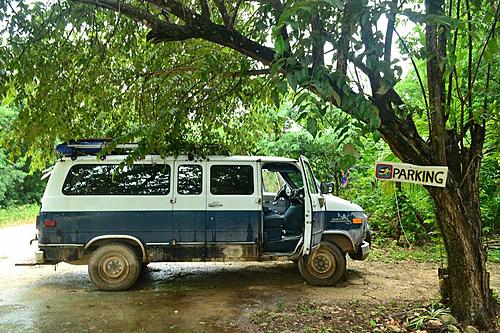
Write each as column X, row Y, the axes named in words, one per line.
column 459, row 218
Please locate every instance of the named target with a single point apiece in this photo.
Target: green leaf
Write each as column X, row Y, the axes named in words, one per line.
column 280, row 45
column 302, row 115
column 384, row 87
column 335, row 3
column 312, row 126
column 336, row 97
column 275, row 97
column 302, row 97
column 282, row 87
column 292, row 81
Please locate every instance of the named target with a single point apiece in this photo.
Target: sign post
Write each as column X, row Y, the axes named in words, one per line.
column 409, row 173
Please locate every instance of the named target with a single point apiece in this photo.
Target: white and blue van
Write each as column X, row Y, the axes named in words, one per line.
column 216, row 208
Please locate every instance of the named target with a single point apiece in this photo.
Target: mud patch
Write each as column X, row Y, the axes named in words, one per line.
column 206, row 297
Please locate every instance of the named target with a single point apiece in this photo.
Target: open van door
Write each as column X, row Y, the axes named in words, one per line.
column 314, row 205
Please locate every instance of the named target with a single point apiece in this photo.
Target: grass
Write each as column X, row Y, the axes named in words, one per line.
column 13, row 216
column 494, row 255
column 389, row 251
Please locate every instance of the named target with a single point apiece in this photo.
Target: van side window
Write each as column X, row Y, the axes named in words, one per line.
column 189, row 179
column 231, row 179
column 101, row 179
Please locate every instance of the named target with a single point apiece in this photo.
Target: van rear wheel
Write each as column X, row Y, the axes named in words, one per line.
column 114, row 267
column 325, row 266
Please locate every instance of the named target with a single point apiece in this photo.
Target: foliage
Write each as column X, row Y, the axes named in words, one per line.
column 490, row 193
column 330, row 148
column 387, row 250
column 494, row 255
column 17, row 185
column 18, row 215
column 117, row 85
column 433, row 311
column 75, row 70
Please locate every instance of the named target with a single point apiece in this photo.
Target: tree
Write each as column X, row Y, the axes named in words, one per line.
column 17, row 185
column 335, row 50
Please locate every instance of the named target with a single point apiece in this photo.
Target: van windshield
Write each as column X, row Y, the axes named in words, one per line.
column 287, row 172
column 294, row 179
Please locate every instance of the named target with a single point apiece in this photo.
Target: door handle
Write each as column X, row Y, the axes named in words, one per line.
column 215, row 204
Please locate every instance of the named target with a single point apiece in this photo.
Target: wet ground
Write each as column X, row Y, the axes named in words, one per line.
column 184, row 297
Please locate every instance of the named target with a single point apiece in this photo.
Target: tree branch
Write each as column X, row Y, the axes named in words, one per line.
column 435, row 44
column 223, row 12
column 422, row 88
column 490, row 35
column 278, row 9
column 232, row 17
column 205, row 10
column 391, row 17
column 345, row 35
column 130, row 11
column 453, row 50
column 401, row 135
column 318, row 43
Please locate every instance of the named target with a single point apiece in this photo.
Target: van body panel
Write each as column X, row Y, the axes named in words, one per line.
column 81, row 227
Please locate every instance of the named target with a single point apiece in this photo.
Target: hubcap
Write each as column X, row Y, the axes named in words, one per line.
column 322, row 263
column 113, row 268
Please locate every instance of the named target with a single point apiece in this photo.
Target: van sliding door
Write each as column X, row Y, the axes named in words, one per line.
column 189, row 203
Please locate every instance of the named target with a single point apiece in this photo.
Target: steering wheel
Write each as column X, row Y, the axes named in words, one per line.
column 284, row 192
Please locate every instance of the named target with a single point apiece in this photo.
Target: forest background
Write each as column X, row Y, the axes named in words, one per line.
column 401, row 215
column 155, row 72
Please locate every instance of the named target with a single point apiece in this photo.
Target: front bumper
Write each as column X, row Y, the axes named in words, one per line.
column 362, row 252
column 365, row 250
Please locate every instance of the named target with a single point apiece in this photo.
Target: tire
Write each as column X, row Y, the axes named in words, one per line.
column 325, row 266
column 144, row 268
column 114, row 267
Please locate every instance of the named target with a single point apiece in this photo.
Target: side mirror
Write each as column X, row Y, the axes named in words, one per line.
column 326, row 187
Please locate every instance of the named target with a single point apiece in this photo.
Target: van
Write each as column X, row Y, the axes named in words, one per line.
column 117, row 218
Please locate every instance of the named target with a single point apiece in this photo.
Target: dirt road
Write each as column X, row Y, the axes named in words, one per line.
column 187, row 297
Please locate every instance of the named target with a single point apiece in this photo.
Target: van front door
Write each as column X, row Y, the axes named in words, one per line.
column 314, row 205
column 234, row 204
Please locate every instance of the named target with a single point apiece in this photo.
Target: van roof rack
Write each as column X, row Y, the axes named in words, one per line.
column 85, row 147
column 82, row 147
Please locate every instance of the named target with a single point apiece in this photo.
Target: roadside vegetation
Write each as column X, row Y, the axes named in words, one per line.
column 315, row 78
column 17, row 215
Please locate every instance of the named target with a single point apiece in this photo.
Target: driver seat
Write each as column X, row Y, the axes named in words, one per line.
column 273, row 224
column 291, row 222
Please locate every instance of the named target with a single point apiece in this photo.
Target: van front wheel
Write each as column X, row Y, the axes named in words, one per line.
column 114, row 267
column 325, row 266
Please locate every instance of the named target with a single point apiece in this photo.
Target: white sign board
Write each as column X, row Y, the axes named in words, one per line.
column 409, row 173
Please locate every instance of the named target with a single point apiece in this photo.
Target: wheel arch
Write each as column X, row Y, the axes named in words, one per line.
column 341, row 238
column 106, row 239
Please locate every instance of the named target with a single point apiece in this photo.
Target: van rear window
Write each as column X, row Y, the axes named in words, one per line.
column 101, row 179
column 231, row 179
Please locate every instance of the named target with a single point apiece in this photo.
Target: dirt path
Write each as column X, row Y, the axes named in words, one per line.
column 187, row 297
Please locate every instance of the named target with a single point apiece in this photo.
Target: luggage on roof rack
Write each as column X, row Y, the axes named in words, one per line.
column 82, row 147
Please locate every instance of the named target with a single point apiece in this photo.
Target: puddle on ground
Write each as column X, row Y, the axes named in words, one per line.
column 174, row 297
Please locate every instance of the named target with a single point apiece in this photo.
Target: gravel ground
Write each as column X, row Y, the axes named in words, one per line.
column 201, row 297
